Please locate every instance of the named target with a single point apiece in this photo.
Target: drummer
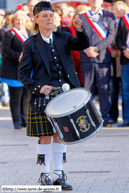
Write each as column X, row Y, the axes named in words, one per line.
column 46, row 64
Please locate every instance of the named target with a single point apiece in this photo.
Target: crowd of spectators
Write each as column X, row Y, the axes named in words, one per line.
column 10, row 53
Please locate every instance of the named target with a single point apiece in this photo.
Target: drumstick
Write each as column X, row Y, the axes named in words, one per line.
column 46, row 96
column 44, row 91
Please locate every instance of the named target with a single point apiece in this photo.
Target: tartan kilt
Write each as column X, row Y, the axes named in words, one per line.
column 37, row 123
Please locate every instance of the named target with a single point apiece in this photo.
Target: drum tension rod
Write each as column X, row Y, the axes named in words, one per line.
column 56, row 126
column 74, row 126
column 89, row 116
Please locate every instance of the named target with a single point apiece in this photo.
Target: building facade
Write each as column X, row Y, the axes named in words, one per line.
column 10, row 5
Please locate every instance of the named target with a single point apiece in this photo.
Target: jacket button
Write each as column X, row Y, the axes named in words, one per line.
column 35, row 88
column 68, row 75
column 39, row 86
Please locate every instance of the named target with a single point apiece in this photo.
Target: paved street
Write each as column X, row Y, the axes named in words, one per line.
column 97, row 165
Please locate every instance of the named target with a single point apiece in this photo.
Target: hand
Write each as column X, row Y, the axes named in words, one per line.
column 46, row 89
column 19, row 58
column 126, row 53
column 90, row 52
column 77, row 23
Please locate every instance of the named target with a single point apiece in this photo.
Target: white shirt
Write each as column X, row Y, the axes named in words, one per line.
column 99, row 12
column 117, row 22
column 47, row 39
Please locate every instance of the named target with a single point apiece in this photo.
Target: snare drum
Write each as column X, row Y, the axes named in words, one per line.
column 74, row 115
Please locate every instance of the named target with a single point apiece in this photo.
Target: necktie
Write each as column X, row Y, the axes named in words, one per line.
column 50, row 42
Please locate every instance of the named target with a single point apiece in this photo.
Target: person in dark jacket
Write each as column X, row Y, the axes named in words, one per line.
column 48, row 55
column 76, row 54
column 4, row 87
column 57, row 19
column 119, row 9
column 122, row 42
column 11, row 50
column 96, row 60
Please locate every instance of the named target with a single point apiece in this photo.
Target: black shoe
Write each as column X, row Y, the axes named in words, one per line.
column 17, row 125
column 106, row 124
column 124, row 124
column 5, row 104
column 23, row 124
column 61, row 181
column 44, row 179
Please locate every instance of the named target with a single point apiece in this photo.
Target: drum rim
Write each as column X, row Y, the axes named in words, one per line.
column 73, row 111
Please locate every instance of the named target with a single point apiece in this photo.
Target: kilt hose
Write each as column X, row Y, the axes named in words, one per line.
column 37, row 123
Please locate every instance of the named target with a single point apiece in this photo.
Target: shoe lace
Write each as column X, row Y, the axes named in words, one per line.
column 62, row 176
column 43, row 176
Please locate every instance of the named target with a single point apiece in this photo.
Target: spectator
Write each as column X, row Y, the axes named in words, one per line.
column 119, row 9
column 95, row 61
column 8, row 16
column 122, row 42
column 66, row 20
column 11, row 50
column 4, row 88
column 76, row 54
column 31, row 4
column 57, row 20
column 127, row 2
column 24, row 8
column 71, row 12
column 2, row 14
column 1, row 35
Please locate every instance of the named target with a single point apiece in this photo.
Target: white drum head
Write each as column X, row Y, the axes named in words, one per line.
column 67, row 102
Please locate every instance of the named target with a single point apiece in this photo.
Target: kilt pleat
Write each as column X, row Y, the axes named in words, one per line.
column 37, row 123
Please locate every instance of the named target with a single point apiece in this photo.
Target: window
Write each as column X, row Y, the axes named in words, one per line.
column 2, row 4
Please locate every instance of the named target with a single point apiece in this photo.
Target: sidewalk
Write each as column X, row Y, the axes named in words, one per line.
column 97, row 165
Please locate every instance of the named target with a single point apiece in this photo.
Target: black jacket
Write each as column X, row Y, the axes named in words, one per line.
column 1, row 35
column 35, row 57
column 121, row 39
column 11, row 50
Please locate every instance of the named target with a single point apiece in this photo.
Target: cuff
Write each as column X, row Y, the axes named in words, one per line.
column 36, row 89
